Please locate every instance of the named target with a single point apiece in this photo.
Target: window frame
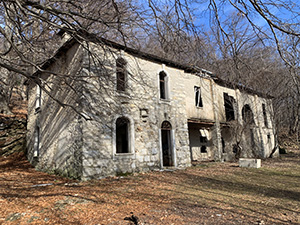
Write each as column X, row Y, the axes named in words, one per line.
column 131, row 137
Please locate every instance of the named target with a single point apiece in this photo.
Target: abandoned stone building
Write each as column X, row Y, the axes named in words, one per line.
column 107, row 109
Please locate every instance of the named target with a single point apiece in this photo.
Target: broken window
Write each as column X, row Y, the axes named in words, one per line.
column 121, row 74
column 229, row 107
column 163, row 85
column 265, row 115
column 198, row 99
column 247, row 115
column 122, row 135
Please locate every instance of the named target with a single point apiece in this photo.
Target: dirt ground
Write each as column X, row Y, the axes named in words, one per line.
column 207, row 193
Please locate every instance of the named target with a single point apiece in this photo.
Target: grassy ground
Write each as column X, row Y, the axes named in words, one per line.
column 207, row 193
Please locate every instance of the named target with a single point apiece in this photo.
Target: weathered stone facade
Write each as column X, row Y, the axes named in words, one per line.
column 139, row 114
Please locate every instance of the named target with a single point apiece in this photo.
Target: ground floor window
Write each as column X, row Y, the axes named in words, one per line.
column 122, row 135
column 37, row 142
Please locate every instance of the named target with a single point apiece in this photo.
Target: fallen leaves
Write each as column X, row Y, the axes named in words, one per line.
column 208, row 193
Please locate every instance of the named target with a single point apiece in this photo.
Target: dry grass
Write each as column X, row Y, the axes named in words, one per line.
column 208, row 193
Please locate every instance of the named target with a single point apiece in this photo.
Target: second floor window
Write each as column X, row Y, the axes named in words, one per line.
column 198, row 98
column 229, row 107
column 121, row 74
column 265, row 115
column 163, row 85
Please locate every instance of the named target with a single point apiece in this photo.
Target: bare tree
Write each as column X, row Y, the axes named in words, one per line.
column 239, row 47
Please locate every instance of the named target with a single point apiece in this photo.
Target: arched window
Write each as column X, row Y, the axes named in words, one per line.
column 247, row 115
column 166, row 125
column 121, row 74
column 122, row 135
column 163, row 86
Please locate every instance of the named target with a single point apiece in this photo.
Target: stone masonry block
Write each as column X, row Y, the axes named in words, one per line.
column 251, row 163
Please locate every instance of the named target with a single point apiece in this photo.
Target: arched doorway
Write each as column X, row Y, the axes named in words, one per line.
column 166, row 143
column 122, row 135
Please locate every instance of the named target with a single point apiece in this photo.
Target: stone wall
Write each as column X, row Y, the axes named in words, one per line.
column 12, row 134
column 54, row 137
column 140, row 103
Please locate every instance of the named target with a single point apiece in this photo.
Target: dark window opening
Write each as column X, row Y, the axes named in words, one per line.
column 265, row 115
column 166, row 143
column 229, row 107
column 162, row 85
column 247, row 115
column 203, row 139
column 236, row 150
column 198, row 98
column 223, row 145
column 269, row 137
column 203, row 149
column 122, row 135
column 121, row 74
column 252, row 138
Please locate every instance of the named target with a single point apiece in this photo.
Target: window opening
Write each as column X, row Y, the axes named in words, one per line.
column 247, row 115
column 198, row 99
column 265, row 115
column 229, row 107
column 38, row 101
column 122, row 135
column 121, row 74
column 203, row 149
column 37, row 142
column 252, row 138
column 166, row 143
column 223, row 145
column 162, row 85
column 203, row 140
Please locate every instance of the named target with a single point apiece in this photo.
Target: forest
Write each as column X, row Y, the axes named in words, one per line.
column 252, row 43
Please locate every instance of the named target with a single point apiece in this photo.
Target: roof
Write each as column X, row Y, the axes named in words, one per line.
column 151, row 57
